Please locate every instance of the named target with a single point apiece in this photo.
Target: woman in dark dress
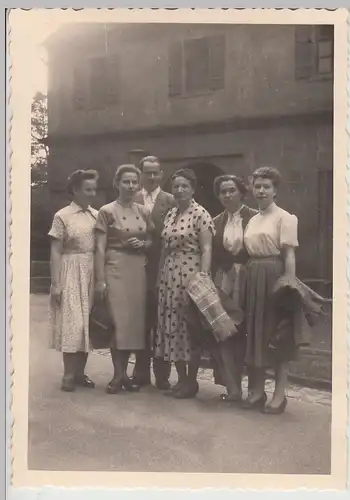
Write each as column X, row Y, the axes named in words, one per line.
column 187, row 245
column 229, row 275
column 271, row 238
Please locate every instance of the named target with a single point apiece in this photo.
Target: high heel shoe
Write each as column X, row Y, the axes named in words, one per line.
column 247, row 404
column 114, row 387
column 130, row 386
column 84, row 381
column 269, row 410
column 187, row 392
column 231, row 398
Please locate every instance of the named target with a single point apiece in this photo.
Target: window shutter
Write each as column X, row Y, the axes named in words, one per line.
column 175, row 69
column 79, row 86
column 217, row 62
column 304, row 52
column 112, row 90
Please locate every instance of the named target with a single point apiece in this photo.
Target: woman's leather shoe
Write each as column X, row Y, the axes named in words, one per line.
column 231, row 398
column 68, row 384
column 114, row 387
column 269, row 410
column 130, row 386
column 247, row 404
column 85, row 381
column 187, row 392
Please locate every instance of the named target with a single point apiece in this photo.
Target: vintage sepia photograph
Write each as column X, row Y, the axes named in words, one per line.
column 182, row 283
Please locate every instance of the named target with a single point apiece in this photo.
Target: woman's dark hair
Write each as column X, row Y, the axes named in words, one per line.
column 239, row 182
column 124, row 169
column 188, row 174
column 76, row 179
column 270, row 173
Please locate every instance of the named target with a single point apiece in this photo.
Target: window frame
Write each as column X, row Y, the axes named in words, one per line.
column 179, row 48
column 315, row 37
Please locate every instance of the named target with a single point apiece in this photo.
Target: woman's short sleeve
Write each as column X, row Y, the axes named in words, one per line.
column 205, row 222
column 102, row 221
column 58, row 228
column 289, row 231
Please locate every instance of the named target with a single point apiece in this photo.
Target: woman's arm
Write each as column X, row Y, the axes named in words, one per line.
column 55, row 268
column 289, row 261
column 205, row 241
column 100, row 256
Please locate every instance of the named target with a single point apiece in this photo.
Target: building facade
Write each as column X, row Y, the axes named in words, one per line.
column 216, row 98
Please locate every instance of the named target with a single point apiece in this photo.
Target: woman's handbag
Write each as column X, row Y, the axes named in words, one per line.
column 101, row 327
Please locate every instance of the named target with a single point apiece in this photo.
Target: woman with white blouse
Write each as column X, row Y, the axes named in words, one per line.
column 270, row 239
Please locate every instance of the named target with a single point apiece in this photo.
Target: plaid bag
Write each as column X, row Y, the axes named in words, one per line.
column 101, row 327
column 203, row 293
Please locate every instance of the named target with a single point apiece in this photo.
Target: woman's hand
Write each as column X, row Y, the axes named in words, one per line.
column 55, row 294
column 135, row 243
column 100, row 290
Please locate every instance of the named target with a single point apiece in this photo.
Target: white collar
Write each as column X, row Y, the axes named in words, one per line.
column 153, row 194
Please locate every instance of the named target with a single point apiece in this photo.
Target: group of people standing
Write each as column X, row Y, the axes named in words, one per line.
column 140, row 252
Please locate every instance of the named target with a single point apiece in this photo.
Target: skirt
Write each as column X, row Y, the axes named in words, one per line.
column 261, row 321
column 69, row 321
column 126, row 296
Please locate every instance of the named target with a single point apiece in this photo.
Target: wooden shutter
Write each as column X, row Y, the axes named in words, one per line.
column 304, row 52
column 97, row 81
column 112, row 89
column 175, row 69
column 217, row 62
column 79, row 86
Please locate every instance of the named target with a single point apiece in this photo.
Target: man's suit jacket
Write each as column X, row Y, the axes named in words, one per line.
column 164, row 202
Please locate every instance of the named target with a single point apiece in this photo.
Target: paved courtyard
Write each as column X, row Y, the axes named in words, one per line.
column 146, row 431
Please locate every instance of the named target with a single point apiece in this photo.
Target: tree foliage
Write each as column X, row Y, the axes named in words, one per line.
column 40, row 197
column 39, row 150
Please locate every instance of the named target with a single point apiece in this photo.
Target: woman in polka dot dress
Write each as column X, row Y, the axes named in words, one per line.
column 187, row 245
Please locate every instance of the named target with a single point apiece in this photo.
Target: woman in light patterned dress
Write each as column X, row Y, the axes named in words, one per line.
column 187, row 244
column 270, row 239
column 123, row 236
column 72, row 257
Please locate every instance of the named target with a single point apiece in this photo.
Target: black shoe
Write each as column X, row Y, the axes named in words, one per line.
column 268, row 410
column 84, row 381
column 114, row 387
column 247, row 404
column 140, row 382
column 231, row 398
column 187, row 392
column 163, row 385
column 68, row 384
column 130, row 386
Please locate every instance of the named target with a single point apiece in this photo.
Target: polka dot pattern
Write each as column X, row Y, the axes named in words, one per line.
column 181, row 239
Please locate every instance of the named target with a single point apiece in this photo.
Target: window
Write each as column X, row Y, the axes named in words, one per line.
column 96, row 83
column 197, row 65
column 314, row 51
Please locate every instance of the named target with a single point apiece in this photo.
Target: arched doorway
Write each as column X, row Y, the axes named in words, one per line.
column 206, row 173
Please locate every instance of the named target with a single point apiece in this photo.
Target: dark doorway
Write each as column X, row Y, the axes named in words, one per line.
column 204, row 195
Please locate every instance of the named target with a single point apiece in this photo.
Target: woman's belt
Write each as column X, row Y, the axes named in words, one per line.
column 126, row 250
column 77, row 252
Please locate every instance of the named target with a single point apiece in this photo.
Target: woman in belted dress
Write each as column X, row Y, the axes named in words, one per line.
column 229, row 275
column 72, row 278
column 270, row 239
column 122, row 238
column 187, row 245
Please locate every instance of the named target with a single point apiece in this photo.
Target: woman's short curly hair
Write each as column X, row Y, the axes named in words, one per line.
column 124, row 169
column 270, row 173
column 239, row 182
column 76, row 179
column 188, row 174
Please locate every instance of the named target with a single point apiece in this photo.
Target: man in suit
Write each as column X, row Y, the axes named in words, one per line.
column 158, row 202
